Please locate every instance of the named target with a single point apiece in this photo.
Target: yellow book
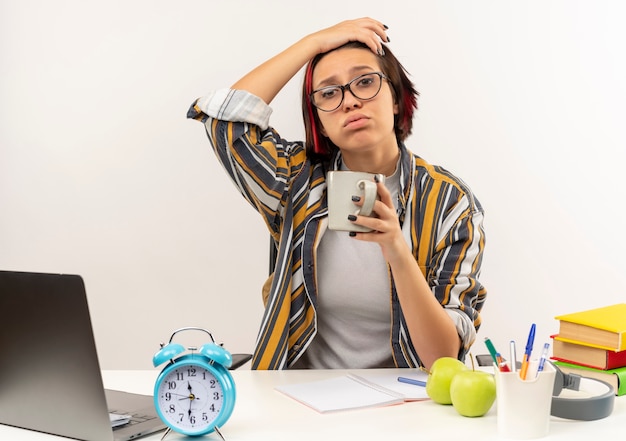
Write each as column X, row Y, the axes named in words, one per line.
column 604, row 327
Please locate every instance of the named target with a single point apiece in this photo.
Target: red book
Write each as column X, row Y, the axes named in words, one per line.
column 571, row 351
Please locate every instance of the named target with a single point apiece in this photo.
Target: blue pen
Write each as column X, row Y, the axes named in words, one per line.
column 412, row 381
column 527, row 352
column 544, row 356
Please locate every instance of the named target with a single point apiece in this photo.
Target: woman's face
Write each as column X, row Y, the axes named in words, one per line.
column 356, row 125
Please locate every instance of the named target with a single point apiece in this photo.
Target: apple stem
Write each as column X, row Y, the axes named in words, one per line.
column 472, row 360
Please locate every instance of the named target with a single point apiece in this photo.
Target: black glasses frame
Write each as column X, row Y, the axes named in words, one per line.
column 345, row 87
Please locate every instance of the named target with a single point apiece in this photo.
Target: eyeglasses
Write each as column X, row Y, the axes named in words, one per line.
column 364, row 87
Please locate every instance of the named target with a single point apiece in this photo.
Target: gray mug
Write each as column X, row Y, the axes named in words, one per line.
column 342, row 185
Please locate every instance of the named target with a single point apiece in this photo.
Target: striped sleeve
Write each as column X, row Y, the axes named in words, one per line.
column 256, row 158
column 232, row 105
column 456, row 264
column 450, row 244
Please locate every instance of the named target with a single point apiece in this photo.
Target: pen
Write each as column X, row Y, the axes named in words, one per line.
column 502, row 365
column 412, row 381
column 513, row 356
column 527, row 352
column 492, row 351
column 544, row 355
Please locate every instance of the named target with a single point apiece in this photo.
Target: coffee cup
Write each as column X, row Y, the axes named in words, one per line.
column 342, row 186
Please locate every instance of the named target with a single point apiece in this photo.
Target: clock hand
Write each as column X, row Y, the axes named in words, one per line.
column 191, row 396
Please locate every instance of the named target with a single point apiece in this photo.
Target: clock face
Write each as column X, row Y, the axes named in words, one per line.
column 193, row 398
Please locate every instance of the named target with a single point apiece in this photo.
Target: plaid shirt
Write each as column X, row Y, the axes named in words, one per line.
column 441, row 221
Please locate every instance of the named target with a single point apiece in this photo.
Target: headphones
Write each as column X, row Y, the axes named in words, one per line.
column 590, row 400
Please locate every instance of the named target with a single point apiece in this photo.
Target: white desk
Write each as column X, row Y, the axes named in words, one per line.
column 261, row 413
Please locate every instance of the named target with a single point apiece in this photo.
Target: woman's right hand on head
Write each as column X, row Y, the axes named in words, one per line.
column 366, row 30
column 266, row 80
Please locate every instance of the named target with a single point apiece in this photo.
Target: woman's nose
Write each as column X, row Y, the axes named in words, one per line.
column 349, row 100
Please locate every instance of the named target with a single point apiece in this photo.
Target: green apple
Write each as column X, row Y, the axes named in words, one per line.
column 440, row 376
column 473, row 392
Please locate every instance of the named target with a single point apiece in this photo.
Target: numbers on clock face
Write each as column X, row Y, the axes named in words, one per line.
column 190, row 397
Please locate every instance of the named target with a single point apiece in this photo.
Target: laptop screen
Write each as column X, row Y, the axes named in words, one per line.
column 49, row 372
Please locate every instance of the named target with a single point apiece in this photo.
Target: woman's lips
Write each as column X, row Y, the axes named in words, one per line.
column 355, row 121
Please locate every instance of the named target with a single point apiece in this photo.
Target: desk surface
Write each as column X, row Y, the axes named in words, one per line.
column 261, row 413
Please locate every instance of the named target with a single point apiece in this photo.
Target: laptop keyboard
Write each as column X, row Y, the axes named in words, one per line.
column 134, row 418
column 140, row 418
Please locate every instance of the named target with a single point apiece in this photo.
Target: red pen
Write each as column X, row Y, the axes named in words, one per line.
column 502, row 365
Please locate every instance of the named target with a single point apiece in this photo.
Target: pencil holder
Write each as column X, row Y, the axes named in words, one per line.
column 523, row 406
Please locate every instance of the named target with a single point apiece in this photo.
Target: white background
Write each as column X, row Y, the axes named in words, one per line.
column 102, row 175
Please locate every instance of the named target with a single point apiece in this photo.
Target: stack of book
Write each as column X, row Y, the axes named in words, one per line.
column 592, row 343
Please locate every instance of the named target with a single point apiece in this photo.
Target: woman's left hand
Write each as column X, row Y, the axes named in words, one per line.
column 386, row 226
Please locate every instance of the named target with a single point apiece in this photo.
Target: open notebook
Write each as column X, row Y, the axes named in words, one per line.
column 49, row 372
column 347, row 392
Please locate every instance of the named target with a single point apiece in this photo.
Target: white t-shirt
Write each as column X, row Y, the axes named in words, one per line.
column 354, row 302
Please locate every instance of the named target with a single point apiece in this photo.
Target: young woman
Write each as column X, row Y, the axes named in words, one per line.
column 402, row 295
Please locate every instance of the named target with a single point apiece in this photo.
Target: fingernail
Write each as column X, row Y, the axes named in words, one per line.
column 352, row 233
column 356, row 198
column 379, row 52
column 385, row 26
column 351, row 217
column 388, row 40
column 376, row 179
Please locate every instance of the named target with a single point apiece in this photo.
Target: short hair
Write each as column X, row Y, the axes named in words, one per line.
column 319, row 147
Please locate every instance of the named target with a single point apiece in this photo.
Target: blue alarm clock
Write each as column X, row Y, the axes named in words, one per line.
column 195, row 393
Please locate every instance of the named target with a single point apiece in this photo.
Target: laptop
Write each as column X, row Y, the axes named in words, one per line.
column 50, row 378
